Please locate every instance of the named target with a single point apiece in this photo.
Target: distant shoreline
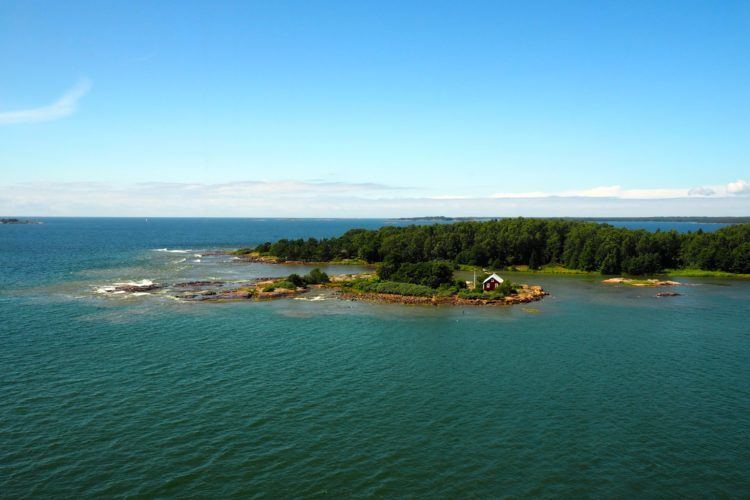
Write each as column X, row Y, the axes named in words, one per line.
column 697, row 219
column 19, row 221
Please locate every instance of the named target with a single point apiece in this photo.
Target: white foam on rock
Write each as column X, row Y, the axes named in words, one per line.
column 317, row 298
column 114, row 288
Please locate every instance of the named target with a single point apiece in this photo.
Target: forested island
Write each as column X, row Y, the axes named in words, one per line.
column 17, row 221
column 501, row 244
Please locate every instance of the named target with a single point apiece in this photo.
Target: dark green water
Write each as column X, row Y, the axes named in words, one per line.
column 596, row 391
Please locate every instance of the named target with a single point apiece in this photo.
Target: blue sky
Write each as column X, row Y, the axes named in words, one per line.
column 378, row 108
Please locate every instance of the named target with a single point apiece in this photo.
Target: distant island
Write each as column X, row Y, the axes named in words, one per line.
column 18, row 221
column 444, row 218
column 704, row 220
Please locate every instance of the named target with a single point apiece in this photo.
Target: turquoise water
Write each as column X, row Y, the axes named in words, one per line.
column 595, row 391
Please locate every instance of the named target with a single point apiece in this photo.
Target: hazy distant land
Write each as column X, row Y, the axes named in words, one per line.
column 697, row 219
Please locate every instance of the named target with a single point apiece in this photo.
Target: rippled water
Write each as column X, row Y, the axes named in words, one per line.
column 595, row 391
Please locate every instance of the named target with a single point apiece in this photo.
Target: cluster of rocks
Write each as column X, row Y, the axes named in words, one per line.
column 258, row 290
column 135, row 287
column 194, row 284
column 237, row 294
column 350, row 277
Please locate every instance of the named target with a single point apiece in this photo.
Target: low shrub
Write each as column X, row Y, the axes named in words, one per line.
column 296, row 279
column 394, row 288
column 503, row 290
column 244, row 251
column 471, row 294
column 316, row 277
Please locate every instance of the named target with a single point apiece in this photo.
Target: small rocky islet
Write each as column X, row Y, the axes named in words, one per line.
column 651, row 282
column 337, row 286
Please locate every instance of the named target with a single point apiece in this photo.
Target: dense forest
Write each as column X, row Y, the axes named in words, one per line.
column 580, row 245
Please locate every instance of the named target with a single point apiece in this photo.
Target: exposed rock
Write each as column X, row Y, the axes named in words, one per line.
column 134, row 287
column 191, row 284
column 644, row 282
column 349, row 277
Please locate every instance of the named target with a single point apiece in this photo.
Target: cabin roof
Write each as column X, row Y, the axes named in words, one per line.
column 491, row 276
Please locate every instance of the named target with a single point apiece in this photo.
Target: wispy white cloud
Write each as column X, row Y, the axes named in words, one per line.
column 344, row 199
column 268, row 188
column 64, row 106
column 739, row 187
column 701, row 191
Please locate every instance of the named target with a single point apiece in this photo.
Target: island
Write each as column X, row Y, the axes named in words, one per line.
column 18, row 221
column 366, row 286
column 473, row 262
column 559, row 246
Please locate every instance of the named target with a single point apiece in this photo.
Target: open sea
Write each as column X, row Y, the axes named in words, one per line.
column 596, row 391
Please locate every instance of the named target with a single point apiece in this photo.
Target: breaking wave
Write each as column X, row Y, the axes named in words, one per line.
column 171, row 251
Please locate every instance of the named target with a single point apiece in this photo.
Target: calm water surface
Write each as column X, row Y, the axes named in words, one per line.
column 594, row 391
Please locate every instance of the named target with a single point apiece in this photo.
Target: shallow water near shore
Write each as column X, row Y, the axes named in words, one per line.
column 597, row 390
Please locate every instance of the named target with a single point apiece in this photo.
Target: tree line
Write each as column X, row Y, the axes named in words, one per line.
column 501, row 243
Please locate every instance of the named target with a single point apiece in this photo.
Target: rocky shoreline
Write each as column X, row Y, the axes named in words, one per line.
column 267, row 289
column 525, row 295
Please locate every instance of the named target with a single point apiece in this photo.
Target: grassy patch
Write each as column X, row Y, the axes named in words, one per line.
column 469, row 267
column 244, row 251
column 553, row 269
column 476, row 294
column 638, row 282
column 702, row 273
column 396, row 288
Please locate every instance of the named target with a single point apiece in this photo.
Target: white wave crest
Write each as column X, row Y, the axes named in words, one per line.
column 171, row 251
column 317, row 298
column 135, row 283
